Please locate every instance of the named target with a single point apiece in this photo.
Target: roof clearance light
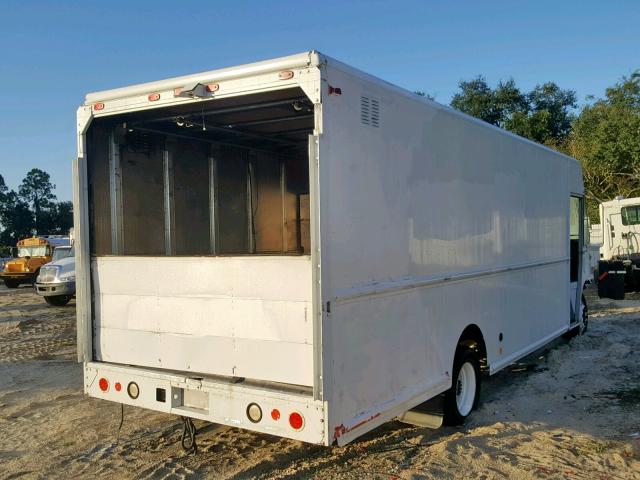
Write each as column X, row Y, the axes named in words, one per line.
column 103, row 383
column 98, row 106
column 296, row 421
column 176, row 91
column 285, row 75
column 213, row 87
column 153, row 97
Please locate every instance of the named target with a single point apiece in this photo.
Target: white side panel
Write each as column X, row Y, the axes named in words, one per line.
column 431, row 221
column 235, row 316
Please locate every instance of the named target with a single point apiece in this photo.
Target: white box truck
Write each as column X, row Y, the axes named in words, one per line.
column 298, row 248
column 619, row 229
column 618, row 234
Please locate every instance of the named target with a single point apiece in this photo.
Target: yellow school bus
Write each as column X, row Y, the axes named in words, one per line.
column 32, row 253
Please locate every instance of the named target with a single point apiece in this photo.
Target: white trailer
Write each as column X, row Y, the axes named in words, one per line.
column 298, row 248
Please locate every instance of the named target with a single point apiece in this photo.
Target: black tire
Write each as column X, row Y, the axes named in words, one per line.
column 582, row 328
column 58, row 301
column 11, row 283
column 452, row 414
column 585, row 316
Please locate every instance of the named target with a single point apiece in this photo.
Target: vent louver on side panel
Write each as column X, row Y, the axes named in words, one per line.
column 365, row 111
column 370, row 111
column 375, row 113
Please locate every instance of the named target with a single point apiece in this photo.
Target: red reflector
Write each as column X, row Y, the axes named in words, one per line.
column 296, row 421
column 285, row 75
column 213, row 87
column 103, row 384
column 118, row 387
column 153, row 97
column 275, row 414
column 98, row 106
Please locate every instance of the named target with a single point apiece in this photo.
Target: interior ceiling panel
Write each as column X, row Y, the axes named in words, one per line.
column 271, row 120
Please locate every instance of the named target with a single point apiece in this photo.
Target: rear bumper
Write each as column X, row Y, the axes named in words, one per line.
column 56, row 289
column 216, row 401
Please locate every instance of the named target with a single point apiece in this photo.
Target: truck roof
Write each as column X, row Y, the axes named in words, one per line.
column 55, row 240
column 299, row 60
column 622, row 202
column 282, row 63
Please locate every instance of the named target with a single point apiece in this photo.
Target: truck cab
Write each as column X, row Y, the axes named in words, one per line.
column 619, row 246
column 56, row 282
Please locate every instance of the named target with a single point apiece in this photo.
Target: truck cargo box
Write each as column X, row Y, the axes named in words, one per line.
column 298, row 248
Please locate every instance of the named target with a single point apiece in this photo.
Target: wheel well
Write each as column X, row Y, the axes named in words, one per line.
column 472, row 338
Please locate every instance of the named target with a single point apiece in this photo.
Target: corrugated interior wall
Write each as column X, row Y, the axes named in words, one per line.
column 267, row 203
column 152, row 194
column 98, row 187
column 141, row 165
column 297, row 207
column 233, row 214
column 191, row 203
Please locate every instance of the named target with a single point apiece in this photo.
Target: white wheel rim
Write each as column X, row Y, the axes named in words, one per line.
column 466, row 389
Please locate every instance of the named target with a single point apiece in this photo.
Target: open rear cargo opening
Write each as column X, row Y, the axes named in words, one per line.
column 199, row 226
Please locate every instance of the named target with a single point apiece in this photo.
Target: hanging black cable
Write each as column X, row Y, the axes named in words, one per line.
column 189, row 436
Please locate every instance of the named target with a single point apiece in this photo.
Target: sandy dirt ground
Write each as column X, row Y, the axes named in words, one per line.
column 571, row 411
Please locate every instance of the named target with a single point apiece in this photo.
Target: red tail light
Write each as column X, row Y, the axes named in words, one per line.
column 103, row 383
column 296, row 421
column 117, row 386
column 275, row 414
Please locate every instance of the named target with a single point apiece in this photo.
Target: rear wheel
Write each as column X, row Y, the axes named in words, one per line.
column 58, row 301
column 11, row 283
column 584, row 322
column 464, row 394
column 585, row 315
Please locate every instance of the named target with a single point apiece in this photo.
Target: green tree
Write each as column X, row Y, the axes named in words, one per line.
column 477, row 98
column 3, row 191
column 37, row 191
column 58, row 218
column 544, row 114
column 16, row 219
column 606, row 140
column 547, row 117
